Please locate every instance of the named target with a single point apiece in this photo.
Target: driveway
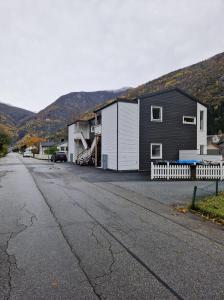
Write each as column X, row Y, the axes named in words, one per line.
column 66, row 237
column 167, row 192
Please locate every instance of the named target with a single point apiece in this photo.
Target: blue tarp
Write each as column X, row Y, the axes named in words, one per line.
column 188, row 161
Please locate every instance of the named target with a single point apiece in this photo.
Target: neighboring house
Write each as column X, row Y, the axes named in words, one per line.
column 80, row 137
column 62, row 146
column 213, row 144
column 44, row 146
column 129, row 135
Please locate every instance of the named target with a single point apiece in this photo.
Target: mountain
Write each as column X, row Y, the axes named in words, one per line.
column 15, row 114
column 203, row 80
column 11, row 117
column 51, row 121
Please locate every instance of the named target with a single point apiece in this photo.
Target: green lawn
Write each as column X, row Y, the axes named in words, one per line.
column 213, row 206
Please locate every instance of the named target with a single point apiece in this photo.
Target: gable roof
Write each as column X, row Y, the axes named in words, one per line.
column 171, row 90
column 123, row 100
column 47, row 144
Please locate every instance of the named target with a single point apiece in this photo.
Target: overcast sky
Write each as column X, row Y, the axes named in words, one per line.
column 53, row 47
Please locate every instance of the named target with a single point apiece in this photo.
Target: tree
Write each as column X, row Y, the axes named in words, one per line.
column 51, row 150
column 4, row 142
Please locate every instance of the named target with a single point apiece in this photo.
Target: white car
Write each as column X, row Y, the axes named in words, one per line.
column 27, row 154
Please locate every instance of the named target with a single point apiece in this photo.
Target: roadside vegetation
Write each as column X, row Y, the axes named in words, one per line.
column 212, row 207
column 5, row 140
column 29, row 141
column 51, row 150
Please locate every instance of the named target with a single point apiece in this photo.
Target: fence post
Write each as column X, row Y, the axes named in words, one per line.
column 221, row 171
column 217, row 187
column 168, row 171
column 152, row 171
column 194, row 197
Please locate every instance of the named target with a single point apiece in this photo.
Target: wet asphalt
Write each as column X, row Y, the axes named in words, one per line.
column 70, row 233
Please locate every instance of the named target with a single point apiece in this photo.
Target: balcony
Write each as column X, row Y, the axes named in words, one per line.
column 97, row 129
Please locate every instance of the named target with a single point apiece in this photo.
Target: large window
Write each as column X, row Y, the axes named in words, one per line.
column 201, row 120
column 156, row 113
column 189, row 120
column 156, row 151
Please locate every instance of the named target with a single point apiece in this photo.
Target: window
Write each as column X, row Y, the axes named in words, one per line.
column 189, row 120
column 92, row 129
column 156, row 113
column 201, row 149
column 156, row 151
column 201, row 120
column 62, row 148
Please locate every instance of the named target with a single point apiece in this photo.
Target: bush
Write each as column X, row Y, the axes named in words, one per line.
column 51, row 150
column 4, row 142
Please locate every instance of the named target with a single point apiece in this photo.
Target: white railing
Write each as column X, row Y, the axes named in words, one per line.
column 210, row 172
column 42, row 156
column 168, row 171
column 97, row 129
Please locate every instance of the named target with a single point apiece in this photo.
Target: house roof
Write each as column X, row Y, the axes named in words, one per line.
column 47, row 144
column 86, row 117
column 61, row 143
column 171, row 90
column 134, row 101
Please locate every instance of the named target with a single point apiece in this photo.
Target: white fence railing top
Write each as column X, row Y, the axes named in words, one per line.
column 167, row 171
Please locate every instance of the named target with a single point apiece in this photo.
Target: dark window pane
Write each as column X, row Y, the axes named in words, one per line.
column 156, row 150
column 156, row 113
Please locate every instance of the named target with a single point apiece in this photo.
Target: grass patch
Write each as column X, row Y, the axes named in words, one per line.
column 212, row 207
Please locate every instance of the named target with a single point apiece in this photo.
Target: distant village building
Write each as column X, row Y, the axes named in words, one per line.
column 45, row 146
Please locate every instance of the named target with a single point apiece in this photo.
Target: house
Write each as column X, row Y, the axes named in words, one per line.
column 44, row 146
column 130, row 134
column 62, row 146
column 81, row 135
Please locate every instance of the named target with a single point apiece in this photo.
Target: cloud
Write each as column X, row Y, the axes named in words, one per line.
column 52, row 47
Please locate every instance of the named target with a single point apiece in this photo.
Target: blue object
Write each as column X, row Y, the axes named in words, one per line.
column 188, row 161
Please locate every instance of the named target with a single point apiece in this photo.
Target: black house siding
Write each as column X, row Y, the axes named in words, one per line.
column 171, row 132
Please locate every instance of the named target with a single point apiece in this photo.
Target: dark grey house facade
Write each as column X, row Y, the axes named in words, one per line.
column 168, row 122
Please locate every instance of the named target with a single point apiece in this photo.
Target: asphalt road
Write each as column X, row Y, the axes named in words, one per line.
column 63, row 237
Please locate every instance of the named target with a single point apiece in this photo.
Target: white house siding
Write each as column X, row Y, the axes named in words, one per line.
column 71, row 143
column 128, row 136
column 109, row 135
column 201, row 134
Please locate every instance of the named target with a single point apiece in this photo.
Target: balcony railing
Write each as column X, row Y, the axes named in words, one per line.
column 97, row 129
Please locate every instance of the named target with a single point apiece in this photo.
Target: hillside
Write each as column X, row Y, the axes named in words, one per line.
column 204, row 80
column 53, row 119
column 11, row 117
column 15, row 114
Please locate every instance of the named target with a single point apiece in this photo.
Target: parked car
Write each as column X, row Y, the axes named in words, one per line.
column 27, row 154
column 59, row 156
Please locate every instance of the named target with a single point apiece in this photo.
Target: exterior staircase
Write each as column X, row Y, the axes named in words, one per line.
column 86, row 156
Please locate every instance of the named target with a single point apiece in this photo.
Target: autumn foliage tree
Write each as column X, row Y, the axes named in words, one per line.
column 28, row 141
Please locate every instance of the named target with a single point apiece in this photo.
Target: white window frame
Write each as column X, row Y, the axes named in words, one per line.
column 203, row 120
column 161, row 151
column 189, row 123
column 161, row 113
column 92, row 128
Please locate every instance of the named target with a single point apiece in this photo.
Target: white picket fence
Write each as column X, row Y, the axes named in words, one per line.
column 210, row 172
column 168, row 171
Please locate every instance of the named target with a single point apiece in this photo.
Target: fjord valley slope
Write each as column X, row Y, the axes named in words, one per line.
column 11, row 117
column 203, row 80
column 51, row 121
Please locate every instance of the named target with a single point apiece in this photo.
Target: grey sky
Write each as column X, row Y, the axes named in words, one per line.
column 53, row 47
